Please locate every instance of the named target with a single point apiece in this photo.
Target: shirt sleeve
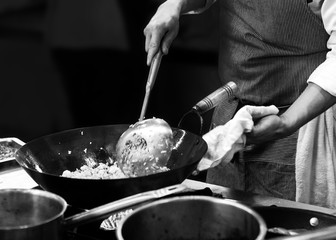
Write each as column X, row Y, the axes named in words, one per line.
column 208, row 3
column 325, row 74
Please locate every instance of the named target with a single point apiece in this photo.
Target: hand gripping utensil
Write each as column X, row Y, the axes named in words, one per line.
column 145, row 147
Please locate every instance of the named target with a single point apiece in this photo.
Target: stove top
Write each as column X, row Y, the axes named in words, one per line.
column 90, row 232
column 279, row 220
column 94, row 231
column 14, row 177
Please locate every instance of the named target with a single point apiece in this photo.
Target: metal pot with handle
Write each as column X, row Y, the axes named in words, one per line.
column 192, row 217
column 35, row 214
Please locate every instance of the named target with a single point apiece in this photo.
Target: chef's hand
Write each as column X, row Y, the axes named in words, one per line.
column 313, row 101
column 225, row 140
column 162, row 29
column 266, row 129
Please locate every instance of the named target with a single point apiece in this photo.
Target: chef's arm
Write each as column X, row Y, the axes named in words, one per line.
column 164, row 25
column 319, row 95
column 186, row 6
column 312, row 102
column 321, row 91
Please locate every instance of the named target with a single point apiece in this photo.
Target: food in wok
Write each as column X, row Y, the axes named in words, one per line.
column 99, row 171
column 143, row 149
column 46, row 158
column 108, row 171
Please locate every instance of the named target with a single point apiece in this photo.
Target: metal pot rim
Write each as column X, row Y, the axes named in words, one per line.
column 40, row 193
column 260, row 220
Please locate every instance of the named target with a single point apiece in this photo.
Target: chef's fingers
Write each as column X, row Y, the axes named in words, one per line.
column 169, row 38
column 153, row 45
column 262, row 111
column 159, row 39
column 266, row 129
column 148, row 37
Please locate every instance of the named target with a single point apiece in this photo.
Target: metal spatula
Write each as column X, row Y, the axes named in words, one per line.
column 145, row 147
column 154, row 68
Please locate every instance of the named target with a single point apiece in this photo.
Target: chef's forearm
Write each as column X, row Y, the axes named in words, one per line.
column 186, row 6
column 311, row 103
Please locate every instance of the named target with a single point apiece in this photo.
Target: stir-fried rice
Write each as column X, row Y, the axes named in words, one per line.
column 101, row 171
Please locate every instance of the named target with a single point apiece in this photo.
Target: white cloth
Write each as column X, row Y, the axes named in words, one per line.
column 225, row 140
column 315, row 165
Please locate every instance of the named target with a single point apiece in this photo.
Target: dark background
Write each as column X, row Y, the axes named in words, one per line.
column 77, row 63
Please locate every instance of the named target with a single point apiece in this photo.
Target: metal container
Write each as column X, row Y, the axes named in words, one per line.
column 27, row 214
column 192, row 217
column 8, row 147
column 30, row 214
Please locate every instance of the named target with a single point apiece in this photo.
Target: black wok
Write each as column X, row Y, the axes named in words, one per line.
column 45, row 159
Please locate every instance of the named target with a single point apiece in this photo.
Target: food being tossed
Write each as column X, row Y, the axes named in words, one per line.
column 143, row 149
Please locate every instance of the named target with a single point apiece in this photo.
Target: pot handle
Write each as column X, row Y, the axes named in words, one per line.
column 325, row 233
column 105, row 210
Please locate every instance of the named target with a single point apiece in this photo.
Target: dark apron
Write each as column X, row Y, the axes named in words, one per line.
column 268, row 48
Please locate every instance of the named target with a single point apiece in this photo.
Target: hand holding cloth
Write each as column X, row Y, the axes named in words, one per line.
column 225, row 140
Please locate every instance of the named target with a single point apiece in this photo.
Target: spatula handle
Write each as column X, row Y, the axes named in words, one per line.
column 154, row 68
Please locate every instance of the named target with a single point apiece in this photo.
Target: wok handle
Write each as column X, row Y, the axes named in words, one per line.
column 104, row 211
column 223, row 93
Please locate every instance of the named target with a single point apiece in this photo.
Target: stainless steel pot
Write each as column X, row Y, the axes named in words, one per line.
column 27, row 214
column 192, row 217
column 30, row 214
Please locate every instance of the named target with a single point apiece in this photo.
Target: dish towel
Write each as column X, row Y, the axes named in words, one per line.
column 225, row 140
column 316, row 161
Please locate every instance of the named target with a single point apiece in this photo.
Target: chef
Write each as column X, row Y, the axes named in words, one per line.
column 280, row 53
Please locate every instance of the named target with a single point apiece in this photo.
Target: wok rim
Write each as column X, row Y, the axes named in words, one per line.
column 41, row 138
column 190, row 148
